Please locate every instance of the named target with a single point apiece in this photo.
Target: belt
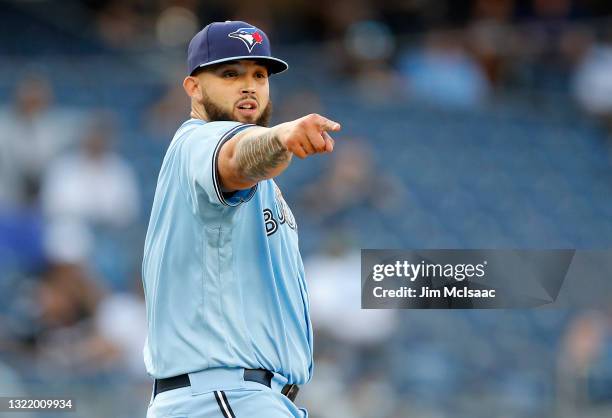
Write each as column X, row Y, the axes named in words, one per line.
column 261, row 376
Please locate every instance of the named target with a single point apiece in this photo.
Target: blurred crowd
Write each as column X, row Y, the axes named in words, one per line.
column 65, row 192
column 76, row 184
column 450, row 53
column 457, row 54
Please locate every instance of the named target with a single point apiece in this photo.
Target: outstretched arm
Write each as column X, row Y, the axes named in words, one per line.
column 262, row 153
column 261, row 156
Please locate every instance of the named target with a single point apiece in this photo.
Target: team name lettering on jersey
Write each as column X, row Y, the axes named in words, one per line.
column 282, row 216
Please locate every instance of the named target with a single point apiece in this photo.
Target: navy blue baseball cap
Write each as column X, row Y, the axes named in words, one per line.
column 229, row 41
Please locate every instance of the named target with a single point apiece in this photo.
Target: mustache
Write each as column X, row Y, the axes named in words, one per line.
column 250, row 96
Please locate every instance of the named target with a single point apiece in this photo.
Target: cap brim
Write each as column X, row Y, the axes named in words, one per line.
column 274, row 65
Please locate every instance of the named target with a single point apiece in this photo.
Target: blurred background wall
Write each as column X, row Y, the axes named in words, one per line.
column 466, row 124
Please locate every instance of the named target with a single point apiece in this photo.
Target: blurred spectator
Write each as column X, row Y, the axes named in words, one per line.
column 491, row 38
column 259, row 16
column 584, row 376
column 93, row 184
column 90, row 199
column 67, row 295
column 368, row 46
column 333, row 19
column 442, row 73
column 593, row 80
column 176, row 25
column 544, row 10
column 546, row 52
column 121, row 318
column 33, row 131
column 67, row 298
column 124, row 23
column 493, row 10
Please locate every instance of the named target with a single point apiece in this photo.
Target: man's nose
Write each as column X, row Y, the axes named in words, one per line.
column 248, row 90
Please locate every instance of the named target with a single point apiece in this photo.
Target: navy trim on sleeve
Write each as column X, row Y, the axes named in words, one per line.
column 228, row 135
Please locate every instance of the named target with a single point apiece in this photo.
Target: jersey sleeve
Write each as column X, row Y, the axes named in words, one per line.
column 199, row 154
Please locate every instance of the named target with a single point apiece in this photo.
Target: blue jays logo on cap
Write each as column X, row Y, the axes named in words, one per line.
column 250, row 37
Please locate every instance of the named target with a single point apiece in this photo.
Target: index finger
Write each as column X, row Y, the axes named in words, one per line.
column 328, row 124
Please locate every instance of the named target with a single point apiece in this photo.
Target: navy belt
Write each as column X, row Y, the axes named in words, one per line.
column 261, row 376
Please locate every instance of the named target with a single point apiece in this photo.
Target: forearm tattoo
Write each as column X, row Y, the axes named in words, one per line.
column 258, row 155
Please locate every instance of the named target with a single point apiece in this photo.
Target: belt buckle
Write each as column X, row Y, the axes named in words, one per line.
column 290, row 391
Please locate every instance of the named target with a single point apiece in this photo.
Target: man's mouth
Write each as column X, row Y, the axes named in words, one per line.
column 247, row 107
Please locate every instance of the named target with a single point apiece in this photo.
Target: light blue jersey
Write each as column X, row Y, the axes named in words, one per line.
column 223, row 276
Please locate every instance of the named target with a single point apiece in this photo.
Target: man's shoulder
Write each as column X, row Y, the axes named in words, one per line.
column 197, row 129
column 204, row 127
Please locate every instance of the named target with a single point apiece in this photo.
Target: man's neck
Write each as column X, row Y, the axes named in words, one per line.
column 198, row 114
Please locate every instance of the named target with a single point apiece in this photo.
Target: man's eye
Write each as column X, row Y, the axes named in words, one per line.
column 229, row 74
column 260, row 75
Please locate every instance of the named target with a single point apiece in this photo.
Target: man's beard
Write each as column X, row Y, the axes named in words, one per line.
column 215, row 113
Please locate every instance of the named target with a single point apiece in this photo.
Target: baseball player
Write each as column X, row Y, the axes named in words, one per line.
column 229, row 332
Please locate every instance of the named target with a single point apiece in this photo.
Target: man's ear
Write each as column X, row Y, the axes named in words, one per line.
column 192, row 87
